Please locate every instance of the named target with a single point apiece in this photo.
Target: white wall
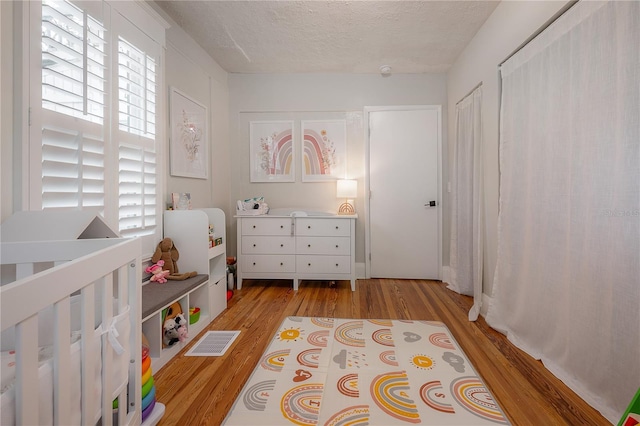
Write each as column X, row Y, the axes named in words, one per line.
column 192, row 71
column 510, row 25
column 6, row 116
column 313, row 95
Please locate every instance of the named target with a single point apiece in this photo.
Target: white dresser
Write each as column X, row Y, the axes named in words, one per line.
column 297, row 248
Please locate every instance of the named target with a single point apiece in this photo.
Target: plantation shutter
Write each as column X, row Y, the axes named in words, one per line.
column 95, row 73
column 135, row 133
column 73, row 107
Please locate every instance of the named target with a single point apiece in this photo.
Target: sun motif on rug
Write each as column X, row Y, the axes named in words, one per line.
column 292, row 334
column 422, row 361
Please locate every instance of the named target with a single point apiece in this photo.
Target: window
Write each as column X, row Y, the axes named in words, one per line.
column 136, row 124
column 72, row 86
column 94, row 135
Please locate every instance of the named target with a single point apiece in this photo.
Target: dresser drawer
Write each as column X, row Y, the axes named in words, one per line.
column 323, row 245
column 266, row 226
column 268, row 263
column 323, row 227
column 258, row 244
column 323, row 264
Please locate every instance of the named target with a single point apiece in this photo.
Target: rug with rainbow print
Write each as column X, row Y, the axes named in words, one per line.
column 329, row 371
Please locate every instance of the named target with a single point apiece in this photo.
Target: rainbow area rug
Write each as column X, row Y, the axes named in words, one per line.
column 329, row 371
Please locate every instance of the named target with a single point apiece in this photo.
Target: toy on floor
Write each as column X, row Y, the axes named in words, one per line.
column 159, row 275
column 167, row 252
column 148, row 387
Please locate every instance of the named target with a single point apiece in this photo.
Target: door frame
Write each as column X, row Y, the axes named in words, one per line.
column 367, row 176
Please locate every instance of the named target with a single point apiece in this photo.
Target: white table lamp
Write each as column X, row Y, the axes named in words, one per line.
column 348, row 189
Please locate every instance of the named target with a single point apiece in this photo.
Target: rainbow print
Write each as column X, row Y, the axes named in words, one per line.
column 390, row 391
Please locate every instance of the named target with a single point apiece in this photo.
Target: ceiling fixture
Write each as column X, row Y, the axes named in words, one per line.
column 385, row 70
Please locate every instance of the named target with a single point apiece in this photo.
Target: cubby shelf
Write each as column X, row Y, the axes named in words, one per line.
column 189, row 231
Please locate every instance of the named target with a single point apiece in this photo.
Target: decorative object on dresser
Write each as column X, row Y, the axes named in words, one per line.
column 189, row 229
column 348, row 189
column 297, row 246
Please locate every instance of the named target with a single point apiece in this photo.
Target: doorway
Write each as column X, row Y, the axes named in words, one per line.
column 403, row 235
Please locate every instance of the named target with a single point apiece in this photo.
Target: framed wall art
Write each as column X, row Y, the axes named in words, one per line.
column 271, row 151
column 324, row 150
column 189, row 136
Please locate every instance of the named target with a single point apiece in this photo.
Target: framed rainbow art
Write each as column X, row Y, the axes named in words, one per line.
column 272, row 151
column 324, row 150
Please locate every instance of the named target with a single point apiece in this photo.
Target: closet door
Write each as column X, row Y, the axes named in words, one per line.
column 404, row 219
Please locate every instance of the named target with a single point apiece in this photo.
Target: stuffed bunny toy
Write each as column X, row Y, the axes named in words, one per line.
column 168, row 253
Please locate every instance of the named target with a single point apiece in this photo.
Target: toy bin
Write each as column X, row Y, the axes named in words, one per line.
column 194, row 315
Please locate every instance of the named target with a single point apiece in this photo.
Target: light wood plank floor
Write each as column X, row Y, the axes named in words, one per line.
column 201, row 390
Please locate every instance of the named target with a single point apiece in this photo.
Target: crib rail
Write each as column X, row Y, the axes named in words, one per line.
column 109, row 268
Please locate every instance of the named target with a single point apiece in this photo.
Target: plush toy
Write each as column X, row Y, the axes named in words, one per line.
column 174, row 328
column 181, row 323
column 158, row 274
column 168, row 253
column 170, row 332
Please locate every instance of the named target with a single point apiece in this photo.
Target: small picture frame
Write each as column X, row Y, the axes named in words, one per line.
column 181, row 200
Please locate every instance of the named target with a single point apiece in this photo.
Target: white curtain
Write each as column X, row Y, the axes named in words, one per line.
column 465, row 262
column 567, row 281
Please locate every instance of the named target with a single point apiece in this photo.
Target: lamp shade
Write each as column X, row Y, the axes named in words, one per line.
column 347, row 188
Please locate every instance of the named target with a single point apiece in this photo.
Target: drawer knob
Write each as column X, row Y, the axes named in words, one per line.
column 336, row 246
column 281, row 226
column 281, row 245
column 336, row 264
column 308, row 226
column 254, row 263
column 281, row 263
column 337, row 227
column 254, row 227
column 308, row 264
column 308, row 245
column 255, row 245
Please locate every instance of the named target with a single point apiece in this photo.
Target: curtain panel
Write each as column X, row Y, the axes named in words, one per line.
column 567, row 281
column 467, row 217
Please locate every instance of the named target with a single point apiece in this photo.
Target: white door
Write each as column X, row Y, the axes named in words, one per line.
column 404, row 237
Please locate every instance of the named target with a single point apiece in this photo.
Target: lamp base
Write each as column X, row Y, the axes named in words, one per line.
column 346, row 209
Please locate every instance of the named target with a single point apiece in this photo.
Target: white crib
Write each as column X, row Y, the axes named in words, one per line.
column 78, row 301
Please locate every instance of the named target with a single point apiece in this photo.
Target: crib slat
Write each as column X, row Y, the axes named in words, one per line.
column 134, row 416
column 61, row 362
column 106, row 288
column 27, row 371
column 89, row 355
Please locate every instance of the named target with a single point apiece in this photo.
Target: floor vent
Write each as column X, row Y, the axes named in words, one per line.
column 213, row 343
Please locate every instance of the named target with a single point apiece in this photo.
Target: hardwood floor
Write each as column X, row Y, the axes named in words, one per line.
column 201, row 390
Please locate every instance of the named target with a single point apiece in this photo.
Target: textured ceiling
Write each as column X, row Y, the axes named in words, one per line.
column 331, row 36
